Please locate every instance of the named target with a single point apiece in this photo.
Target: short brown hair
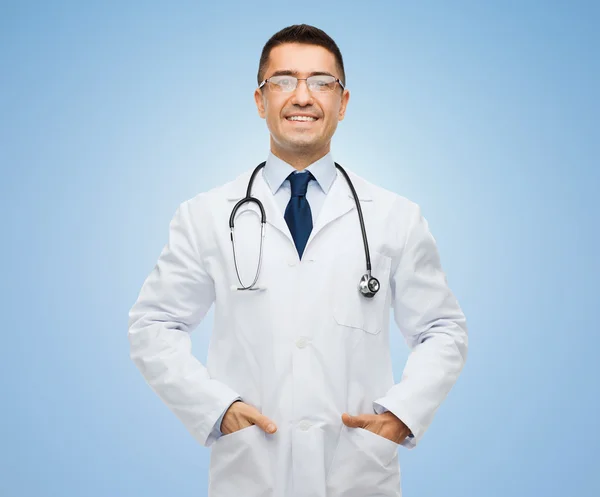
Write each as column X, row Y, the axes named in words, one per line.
column 301, row 33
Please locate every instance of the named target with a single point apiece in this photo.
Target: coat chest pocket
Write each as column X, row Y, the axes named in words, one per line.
column 353, row 309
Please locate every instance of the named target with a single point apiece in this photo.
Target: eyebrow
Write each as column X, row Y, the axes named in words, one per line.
column 288, row 72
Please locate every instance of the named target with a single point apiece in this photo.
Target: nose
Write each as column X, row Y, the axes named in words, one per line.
column 302, row 95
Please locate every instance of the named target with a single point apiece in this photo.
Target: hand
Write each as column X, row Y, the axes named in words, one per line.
column 386, row 425
column 241, row 415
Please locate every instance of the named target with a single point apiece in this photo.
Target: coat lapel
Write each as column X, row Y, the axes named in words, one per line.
column 338, row 202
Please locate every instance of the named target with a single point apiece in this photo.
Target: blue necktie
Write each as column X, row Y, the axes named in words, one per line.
column 297, row 213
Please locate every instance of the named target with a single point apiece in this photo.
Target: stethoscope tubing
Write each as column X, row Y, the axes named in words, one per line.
column 360, row 217
column 263, row 218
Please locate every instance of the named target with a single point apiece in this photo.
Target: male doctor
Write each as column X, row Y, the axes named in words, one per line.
column 297, row 397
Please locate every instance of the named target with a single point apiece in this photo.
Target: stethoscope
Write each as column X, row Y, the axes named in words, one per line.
column 368, row 285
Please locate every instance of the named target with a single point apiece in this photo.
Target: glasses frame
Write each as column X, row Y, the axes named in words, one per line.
column 337, row 80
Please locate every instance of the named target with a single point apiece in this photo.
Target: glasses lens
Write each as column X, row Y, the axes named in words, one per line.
column 283, row 83
column 321, row 83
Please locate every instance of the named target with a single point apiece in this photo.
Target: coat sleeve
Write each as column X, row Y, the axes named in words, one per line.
column 173, row 300
column 433, row 327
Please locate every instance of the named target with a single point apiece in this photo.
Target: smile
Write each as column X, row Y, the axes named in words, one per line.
column 301, row 118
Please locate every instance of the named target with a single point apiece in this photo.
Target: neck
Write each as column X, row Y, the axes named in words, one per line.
column 300, row 160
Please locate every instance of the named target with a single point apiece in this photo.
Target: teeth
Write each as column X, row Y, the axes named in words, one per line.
column 301, row 118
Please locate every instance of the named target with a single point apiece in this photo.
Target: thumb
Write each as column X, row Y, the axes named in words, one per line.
column 266, row 424
column 351, row 421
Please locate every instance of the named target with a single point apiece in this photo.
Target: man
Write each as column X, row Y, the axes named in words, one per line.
column 297, row 397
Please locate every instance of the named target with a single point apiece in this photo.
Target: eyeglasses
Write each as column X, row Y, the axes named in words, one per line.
column 317, row 83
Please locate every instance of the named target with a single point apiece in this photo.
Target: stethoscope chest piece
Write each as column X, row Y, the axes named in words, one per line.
column 368, row 285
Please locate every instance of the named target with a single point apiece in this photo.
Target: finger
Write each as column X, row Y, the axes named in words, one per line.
column 353, row 421
column 262, row 421
column 266, row 424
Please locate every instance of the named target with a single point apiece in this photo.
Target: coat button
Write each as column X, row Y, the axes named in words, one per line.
column 301, row 342
column 304, row 425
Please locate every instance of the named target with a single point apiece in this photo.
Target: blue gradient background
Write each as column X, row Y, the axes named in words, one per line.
column 486, row 114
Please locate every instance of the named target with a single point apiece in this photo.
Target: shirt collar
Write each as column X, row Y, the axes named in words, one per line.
column 276, row 172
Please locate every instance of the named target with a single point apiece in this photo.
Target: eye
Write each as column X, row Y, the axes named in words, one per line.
column 322, row 82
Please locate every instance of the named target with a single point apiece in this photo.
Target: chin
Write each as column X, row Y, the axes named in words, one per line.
column 300, row 144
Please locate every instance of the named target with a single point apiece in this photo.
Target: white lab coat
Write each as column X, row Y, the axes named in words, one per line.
column 308, row 346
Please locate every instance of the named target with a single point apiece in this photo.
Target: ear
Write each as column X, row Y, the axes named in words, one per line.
column 260, row 104
column 345, row 98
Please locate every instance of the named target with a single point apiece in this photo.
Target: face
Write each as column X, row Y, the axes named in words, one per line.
column 291, row 138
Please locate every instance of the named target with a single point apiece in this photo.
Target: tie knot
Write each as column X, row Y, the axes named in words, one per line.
column 299, row 183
